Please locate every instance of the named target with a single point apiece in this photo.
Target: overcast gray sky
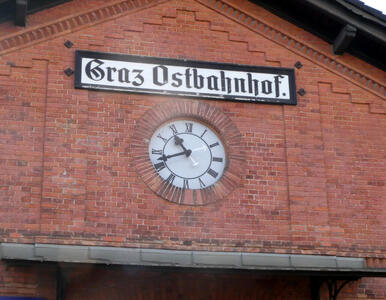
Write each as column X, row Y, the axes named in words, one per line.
column 377, row 4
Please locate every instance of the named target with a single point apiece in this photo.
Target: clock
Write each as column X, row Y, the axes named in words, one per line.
column 188, row 152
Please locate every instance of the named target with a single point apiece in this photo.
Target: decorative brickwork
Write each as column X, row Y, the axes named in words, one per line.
column 232, row 11
column 120, row 8
column 66, row 25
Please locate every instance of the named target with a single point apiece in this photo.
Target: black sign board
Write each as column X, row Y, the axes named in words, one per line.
column 142, row 74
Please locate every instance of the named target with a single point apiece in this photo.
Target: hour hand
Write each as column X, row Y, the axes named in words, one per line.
column 179, row 141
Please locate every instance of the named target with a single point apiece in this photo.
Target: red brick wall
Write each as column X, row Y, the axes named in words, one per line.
column 314, row 181
column 28, row 281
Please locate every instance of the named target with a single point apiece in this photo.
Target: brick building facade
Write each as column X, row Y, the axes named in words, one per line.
column 304, row 205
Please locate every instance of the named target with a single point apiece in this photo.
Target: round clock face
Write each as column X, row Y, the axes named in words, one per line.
column 187, row 154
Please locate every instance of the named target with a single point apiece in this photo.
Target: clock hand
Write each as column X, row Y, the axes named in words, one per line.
column 179, row 141
column 195, row 163
column 188, row 152
column 165, row 157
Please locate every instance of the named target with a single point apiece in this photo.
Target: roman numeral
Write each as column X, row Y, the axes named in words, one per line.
column 218, row 159
column 186, row 184
column 214, row 145
column 170, row 179
column 162, row 138
column 159, row 166
column 202, row 184
column 154, row 151
column 189, row 127
column 212, row 173
column 173, row 128
column 204, row 133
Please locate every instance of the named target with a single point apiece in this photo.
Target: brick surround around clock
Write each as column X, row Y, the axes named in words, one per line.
column 204, row 112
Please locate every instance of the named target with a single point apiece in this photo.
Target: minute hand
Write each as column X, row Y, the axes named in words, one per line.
column 165, row 157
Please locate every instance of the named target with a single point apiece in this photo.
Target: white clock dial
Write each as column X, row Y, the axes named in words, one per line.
column 187, row 154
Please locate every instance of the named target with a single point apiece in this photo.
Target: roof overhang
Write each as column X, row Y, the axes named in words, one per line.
column 317, row 265
column 340, row 10
column 329, row 20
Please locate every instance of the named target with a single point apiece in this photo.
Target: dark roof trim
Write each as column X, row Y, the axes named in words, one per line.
column 327, row 18
column 291, row 263
column 21, row 12
column 19, row 9
column 344, row 16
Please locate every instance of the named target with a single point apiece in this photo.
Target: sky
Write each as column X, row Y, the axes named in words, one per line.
column 377, row 4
